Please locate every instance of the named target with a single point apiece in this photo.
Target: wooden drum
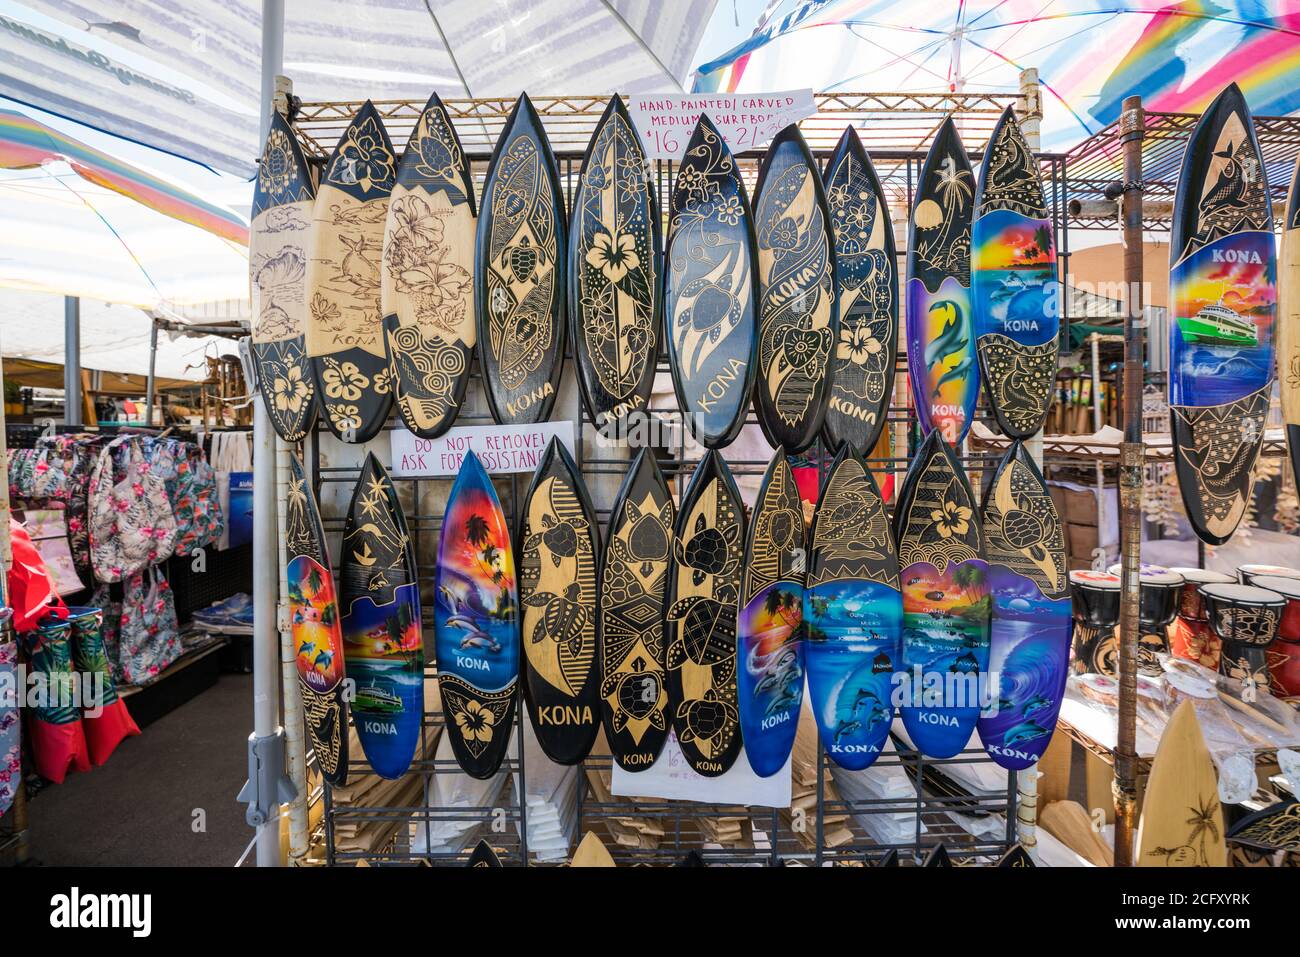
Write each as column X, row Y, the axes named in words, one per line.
column 1246, row 620
column 1284, row 653
column 1247, row 574
column 1094, row 597
column 1158, row 591
column 1190, row 634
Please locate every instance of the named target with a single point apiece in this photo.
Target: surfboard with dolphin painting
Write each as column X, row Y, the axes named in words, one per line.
column 426, row 291
column 1288, row 319
column 345, row 336
column 1223, row 299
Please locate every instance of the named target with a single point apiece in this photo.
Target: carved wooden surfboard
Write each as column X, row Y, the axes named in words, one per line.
column 941, row 358
column 519, row 273
column 1288, row 323
column 592, row 852
column 853, row 614
column 476, row 620
column 770, row 656
column 711, row 290
column 383, row 639
column 866, row 283
column 1029, row 634
column 344, row 325
column 557, row 600
column 798, row 310
column 1013, row 283
column 483, row 856
column 632, row 602
column 937, row 856
column 283, row 199
column 946, row 600
column 615, row 304
column 314, row 621
column 1017, row 856
column 704, row 585
column 426, row 287
column 1182, row 819
column 1222, row 293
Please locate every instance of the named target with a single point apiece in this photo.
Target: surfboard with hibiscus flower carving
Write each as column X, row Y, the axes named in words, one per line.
column 284, row 194
column 426, row 286
column 344, row 328
column 1288, row 319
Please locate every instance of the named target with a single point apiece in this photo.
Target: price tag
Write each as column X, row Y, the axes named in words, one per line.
column 745, row 120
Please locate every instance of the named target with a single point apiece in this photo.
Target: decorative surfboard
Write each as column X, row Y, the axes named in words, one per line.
column 284, row 196
column 476, row 621
column 937, row 856
column 946, row 600
column 630, row 616
column 344, row 324
column 483, row 856
column 1029, row 631
column 317, row 637
column 557, row 601
column 383, row 639
column 1016, row 857
column 614, row 295
column 770, row 662
column 853, row 614
column 1268, row 830
column 426, row 285
column 1222, row 291
column 798, row 310
column 890, row 859
column 866, row 283
column 1288, row 328
column 704, row 587
column 519, row 273
column 592, row 852
column 1013, row 283
column 1182, row 819
column 941, row 357
column 711, row 290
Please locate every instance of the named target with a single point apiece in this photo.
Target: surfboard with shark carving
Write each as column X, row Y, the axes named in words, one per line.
column 1223, row 298
column 1288, row 319
column 344, row 328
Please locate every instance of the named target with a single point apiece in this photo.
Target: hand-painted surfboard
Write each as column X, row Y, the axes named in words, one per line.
column 704, row 586
column 1288, row 321
column 941, row 357
column 284, row 196
column 383, row 638
column 1013, row 283
column 711, row 290
column 519, row 273
column 1222, row 293
column 483, row 856
column 1029, row 631
column 615, row 303
column 630, row 616
column 866, row 283
column 937, row 856
column 798, row 310
column 890, row 859
column 592, row 852
column 558, row 552
column 344, row 326
column 853, row 615
column 314, row 621
column 946, row 600
column 770, row 662
column 426, row 286
column 1268, row 830
column 1017, row 856
column 476, row 620
column 1182, row 819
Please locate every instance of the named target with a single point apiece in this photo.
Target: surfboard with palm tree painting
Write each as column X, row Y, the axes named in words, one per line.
column 344, row 327
column 1288, row 319
column 558, row 550
column 426, row 290
column 284, row 195
column 1182, row 819
column 314, row 623
column 476, row 622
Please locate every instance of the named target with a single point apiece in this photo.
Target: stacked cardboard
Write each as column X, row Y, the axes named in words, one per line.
column 801, row 816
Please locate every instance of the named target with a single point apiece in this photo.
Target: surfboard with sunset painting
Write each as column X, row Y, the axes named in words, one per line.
column 476, row 622
column 314, row 623
column 1288, row 319
column 1223, row 299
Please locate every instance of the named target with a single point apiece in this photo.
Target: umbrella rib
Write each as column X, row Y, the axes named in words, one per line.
column 446, row 45
column 640, row 41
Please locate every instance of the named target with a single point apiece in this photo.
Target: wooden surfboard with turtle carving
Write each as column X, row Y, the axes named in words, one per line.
column 1223, row 297
column 284, row 195
column 704, row 586
column 630, row 616
column 1182, row 819
column 557, row 599
column 1030, row 626
column 770, row 659
column 866, row 284
column 426, row 289
column 1013, row 283
column 519, row 269
column 344, row 329
column 1288, row 319
column 798, row 314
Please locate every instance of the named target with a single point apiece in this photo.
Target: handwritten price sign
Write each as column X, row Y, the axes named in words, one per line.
column 500, row 448
column 745, row 120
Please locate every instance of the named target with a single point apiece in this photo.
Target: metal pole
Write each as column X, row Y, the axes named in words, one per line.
column 71, row 360
column 151, row 386
column 1132, row 131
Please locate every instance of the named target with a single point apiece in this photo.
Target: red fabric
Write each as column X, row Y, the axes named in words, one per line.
column 32, row 592
column 104, row 733
column 57, row 748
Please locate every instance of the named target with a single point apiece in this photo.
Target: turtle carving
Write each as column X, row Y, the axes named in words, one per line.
column 561, row 538
column 782, row 526
column 705, row 634
column 564, row 617
column 705, row 718
column 648, row 538
column 1022, row 529
column 709, row 551
column 523, row 258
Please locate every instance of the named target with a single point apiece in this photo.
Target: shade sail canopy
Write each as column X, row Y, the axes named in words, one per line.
column 32, row 373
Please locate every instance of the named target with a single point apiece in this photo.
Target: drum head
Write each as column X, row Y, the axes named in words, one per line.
column 1151, row 574
column 1244, row 596
column 1288, row 588
column 1087, row 578
column 1203, row 576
